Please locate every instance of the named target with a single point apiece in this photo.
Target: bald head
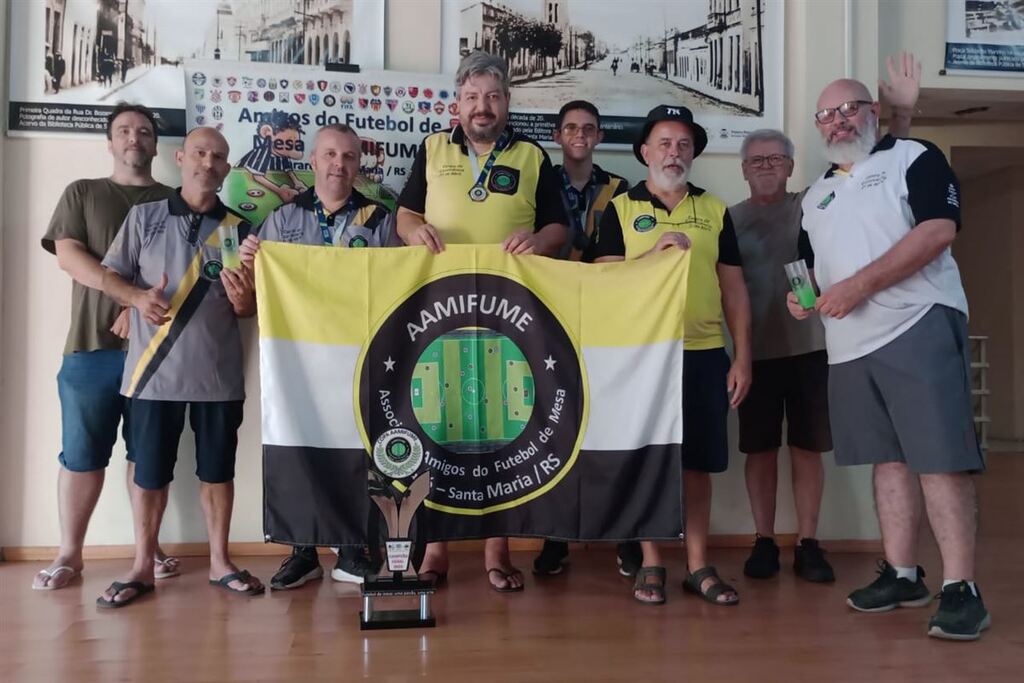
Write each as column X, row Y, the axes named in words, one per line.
column 207, row 136
column 843, row 90
column 203, row 159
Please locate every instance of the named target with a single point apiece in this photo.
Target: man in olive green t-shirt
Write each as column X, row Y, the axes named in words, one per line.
column 85, row 222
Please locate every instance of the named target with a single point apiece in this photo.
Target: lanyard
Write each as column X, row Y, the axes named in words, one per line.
column 474, row 160
column 325, row 224
column 578, row 202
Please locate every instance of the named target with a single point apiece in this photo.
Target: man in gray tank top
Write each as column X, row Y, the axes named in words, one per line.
column 790, row 364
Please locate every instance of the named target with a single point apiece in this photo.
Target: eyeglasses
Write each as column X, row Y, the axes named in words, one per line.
column 846, row 110
column 770, row 161
column 589, row 130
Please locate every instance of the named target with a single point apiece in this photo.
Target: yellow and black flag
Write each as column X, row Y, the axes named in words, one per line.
column 544, row 396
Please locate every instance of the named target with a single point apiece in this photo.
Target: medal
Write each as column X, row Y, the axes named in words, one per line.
column 478, row 193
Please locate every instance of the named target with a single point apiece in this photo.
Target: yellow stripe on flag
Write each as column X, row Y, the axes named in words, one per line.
column 607, row 304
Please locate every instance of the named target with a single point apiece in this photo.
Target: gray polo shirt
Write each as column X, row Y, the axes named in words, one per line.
column 361, row 223
column 768, row 236
column 197, row 356
column 852, row 219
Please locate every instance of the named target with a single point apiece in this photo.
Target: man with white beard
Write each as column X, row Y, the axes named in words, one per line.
column 665, row 212
column 878, row 226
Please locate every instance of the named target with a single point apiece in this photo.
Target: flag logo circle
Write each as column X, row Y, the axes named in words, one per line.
column 485, row 375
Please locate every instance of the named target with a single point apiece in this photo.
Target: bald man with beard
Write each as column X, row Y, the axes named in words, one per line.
column 877, row 229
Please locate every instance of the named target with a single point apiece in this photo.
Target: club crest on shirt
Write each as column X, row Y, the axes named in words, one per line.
column 823, row 204
column 645, row 223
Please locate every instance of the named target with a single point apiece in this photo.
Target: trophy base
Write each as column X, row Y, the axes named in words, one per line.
column 373, row 619
column 395, row 618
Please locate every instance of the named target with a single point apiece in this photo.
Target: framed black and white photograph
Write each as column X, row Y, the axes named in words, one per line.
column 985, row 36
column 721, row 58
column 72, row 60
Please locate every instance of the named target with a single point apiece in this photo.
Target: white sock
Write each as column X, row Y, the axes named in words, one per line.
column 947, row 582
column 908, row 573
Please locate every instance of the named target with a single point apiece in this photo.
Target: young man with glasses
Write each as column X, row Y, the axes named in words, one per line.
column 586, row 191
column 790, row 365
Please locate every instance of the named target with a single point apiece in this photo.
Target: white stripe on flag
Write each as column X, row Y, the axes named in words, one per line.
column 636, row 396
column 307, row 394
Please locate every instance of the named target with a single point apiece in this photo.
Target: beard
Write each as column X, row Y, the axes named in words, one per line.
column 671, row 180
column 137, row 159
column 484, row 132
column 857, row 149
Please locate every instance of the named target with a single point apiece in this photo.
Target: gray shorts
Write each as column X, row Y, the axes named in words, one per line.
column 909, row 401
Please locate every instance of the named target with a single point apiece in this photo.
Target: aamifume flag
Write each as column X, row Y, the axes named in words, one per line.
column 544, row 396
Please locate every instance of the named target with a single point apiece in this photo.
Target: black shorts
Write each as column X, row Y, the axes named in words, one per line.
column 705, row 410
column 156, row 428
column 796, row 388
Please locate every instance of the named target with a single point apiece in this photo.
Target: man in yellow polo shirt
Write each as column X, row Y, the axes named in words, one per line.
column 664, row 212
column 482, row 183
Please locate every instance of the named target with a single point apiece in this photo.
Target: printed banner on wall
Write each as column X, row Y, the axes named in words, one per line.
column 721, row 58
column 985, row 36
column 541, row 399
column 269, row 114
column 73, row 60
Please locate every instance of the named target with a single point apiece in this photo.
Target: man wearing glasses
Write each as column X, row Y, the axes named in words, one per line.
column 586, row 191
column 880, row 223
column 790, row 365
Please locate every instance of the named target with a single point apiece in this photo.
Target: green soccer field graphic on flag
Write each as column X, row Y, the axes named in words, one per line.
column 472, row 390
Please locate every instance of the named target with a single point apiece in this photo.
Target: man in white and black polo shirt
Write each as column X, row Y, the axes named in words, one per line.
column 878, row 226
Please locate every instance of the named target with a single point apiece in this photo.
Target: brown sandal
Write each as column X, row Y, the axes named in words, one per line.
column 693, row 580
column 657, row 587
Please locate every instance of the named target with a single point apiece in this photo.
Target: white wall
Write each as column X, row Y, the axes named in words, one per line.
column 35, row 299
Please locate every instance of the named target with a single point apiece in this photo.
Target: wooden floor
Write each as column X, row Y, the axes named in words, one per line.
column 581, row 626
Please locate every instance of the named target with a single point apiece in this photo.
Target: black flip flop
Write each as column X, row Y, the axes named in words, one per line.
column 139, row 588
column 692, row 582
column 509, row 588
column 243, row 576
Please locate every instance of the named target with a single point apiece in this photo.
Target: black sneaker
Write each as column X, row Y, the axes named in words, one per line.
column 552, row 559
column 888, row 592
column 961, row 614
column 630, row 558
column 353, row 565
column 302, row 566
column 810, row 564
column 763, row 562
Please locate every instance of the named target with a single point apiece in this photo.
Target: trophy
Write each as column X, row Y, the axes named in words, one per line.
column 397, row 484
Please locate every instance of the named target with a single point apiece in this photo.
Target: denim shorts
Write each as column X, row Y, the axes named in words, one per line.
column 91, row 407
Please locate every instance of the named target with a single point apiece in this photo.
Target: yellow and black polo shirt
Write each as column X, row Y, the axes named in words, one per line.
column 585, row 207
column 632, row 224
column 523, row 190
